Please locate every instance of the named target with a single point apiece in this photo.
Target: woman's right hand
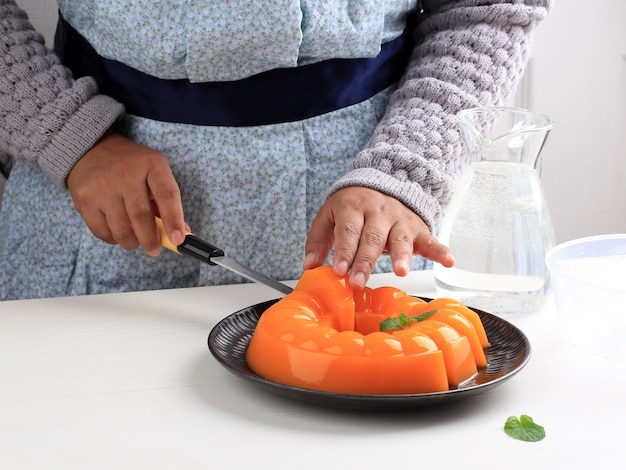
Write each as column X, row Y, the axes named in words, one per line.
column 119, row 186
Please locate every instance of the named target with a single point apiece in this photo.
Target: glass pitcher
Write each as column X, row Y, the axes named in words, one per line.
column 497, row 223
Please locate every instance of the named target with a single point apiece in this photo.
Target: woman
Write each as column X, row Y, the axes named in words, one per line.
column 274, row 129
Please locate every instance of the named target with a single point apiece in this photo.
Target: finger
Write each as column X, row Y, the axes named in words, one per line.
column 373, row 239
column 140, row 215
column 347, row 235
column 167, row 199
column 319, row 241
column 107, row 225
column 96, row 222
column 400, row 245
column 122, row 230
column 428, row 246
column 120, row 222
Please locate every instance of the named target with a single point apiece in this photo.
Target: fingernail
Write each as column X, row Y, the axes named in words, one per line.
column 342, row 268
column 359, row 280
column 154, row 253
column 402, row 266
column 177, row 237
column 309, row 260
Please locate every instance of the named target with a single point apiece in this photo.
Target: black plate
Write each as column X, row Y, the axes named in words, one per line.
column 508, row 354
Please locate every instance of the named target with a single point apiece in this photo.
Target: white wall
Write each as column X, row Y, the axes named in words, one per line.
column 577, row 75
column 43, row 16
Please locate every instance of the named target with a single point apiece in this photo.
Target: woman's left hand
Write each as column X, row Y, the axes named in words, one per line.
column 358, row 224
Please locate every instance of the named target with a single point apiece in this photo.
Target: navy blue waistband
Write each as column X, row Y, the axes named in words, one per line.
column 275, row 96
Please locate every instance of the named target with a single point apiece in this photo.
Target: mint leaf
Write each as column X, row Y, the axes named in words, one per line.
column 524, row 429
column 393, row 323
column 390, row 323
column 422, row 316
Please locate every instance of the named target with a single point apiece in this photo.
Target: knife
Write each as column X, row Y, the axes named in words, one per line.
column 203, row 251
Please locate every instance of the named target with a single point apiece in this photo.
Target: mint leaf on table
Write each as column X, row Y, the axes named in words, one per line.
column 524, row 429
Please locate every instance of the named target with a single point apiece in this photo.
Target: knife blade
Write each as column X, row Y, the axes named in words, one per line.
column 204, row 251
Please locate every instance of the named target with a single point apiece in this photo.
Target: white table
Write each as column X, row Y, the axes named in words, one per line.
column 127, row 381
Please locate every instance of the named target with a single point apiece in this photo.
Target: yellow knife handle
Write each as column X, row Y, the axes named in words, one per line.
column 165, row 241
column 191, row 246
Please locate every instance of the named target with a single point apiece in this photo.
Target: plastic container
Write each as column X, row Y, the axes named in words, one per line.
column 588, row 278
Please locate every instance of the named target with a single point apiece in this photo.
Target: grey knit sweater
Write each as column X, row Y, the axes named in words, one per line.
column 470, row 53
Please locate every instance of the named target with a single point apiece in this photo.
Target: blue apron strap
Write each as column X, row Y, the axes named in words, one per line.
column 272, row 97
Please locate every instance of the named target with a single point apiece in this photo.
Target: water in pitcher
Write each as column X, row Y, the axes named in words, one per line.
column 499, row 234
column 497, row 223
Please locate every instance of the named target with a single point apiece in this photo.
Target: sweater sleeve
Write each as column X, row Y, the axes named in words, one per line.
column 469, row 53
column 47, row 118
